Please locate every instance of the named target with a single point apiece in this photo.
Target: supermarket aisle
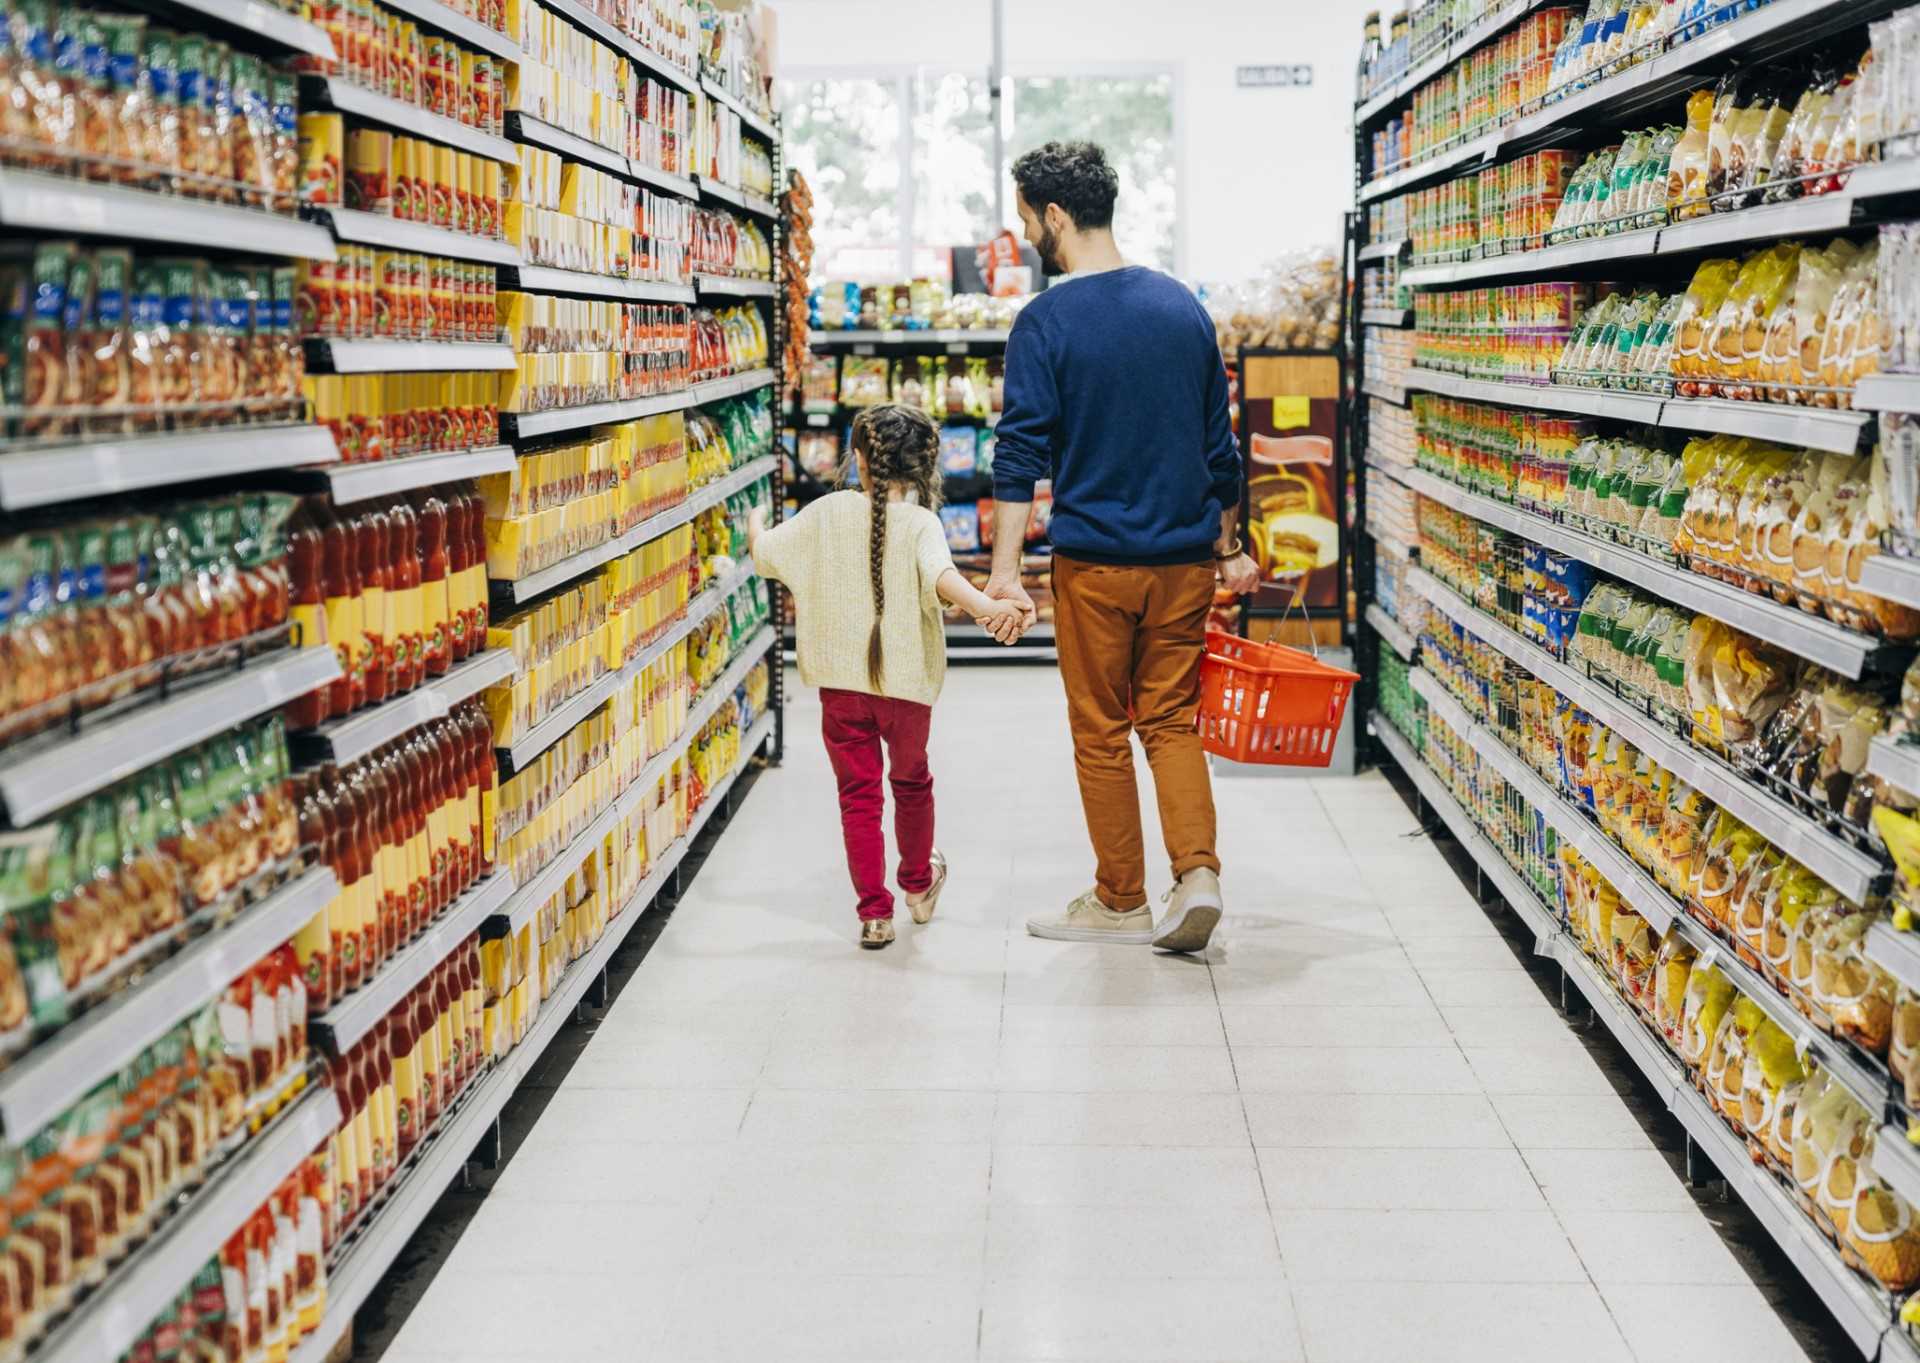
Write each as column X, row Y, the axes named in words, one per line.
column 1357, row 1132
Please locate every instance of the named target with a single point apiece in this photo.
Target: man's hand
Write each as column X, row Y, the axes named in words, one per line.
column 1009, row 589
column 1004, row 620
column 1239, row 574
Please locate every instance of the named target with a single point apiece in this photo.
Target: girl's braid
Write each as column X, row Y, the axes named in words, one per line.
column 902, row 448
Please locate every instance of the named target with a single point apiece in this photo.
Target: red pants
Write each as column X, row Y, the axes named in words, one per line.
column 855, row 727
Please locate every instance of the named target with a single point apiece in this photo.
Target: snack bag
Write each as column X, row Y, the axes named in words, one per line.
column 1725, row 1071
column 1705, row 295
column 1709, row 995
column 1687, row 173
column 957, row 447
column 1671, row 969
column 1881, row 1229
column 1849, row 988
column 1903, row 1045
column 1771, row 1088
column 962, row 524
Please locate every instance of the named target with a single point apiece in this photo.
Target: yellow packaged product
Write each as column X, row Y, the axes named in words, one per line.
column 1853, row 331
column 1687, row 167
column 1748, row 909
column 1723, row 352
column 1682, row 831
column 1771, row 1089
column 1881, row 1229
column 1705, row 294
column 1726, row 1067
column 1865, row 525
column 1903, row 1044
column 1843, row 1136
column 1900, row 833
column 1816, row 921
column 1634, row 951
column 1773, row 302
column 1671, row 968
column 1709, row 995
column 1730, row 846
column 1848, row 987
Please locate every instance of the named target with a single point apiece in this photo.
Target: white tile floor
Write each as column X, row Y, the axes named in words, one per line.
column 1356, row 1133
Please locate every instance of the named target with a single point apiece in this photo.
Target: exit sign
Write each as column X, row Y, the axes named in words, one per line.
column 1273, row 77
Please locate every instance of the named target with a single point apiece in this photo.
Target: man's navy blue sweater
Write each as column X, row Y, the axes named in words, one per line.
column 1115, row 390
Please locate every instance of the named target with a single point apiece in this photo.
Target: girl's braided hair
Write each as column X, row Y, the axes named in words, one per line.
column 902, row 448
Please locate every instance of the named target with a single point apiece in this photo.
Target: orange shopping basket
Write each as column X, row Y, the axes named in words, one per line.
column 1270, row 704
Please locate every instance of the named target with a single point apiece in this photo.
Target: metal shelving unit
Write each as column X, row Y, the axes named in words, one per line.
column 749, row 119
column 540, row 133
column 341, row 94
column 42, row 780
column 328, row 355
column 1386, row 317
column 52, row 474
column 350, row 483
column 378, row 229
column 1392, row 633
column 57, row 205
column 268, row 22
column 456, row 25
column 546, row 279
column 723, row 286
column 1810, row 636
column 908, row 340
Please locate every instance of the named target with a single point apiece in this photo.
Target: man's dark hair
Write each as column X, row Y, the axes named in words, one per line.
column 1074, row 175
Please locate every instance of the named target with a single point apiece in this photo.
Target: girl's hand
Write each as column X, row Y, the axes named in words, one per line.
column 1006, row 621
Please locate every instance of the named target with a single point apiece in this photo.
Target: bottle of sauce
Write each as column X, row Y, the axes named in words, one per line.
column 488, row 772
column 309, row 616
column 430, row 1075
column 459, row 556
column 340, row 603
column 345, row 948
column 403, row 581
column 366, row 907
column 436, row 620
column 402, row 1043
column 440, row 750
column 386, row 930
column 419, row 860
column 371, row 537
column 346, row 1144
column 449, row 1044
column 381, row 1057
column 477, row 558
column 393, row 846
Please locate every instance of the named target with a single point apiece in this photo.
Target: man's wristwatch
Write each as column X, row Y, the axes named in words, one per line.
column 1234, row 551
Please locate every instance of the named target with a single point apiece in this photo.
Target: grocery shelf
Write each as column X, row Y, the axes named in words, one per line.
column 640, row 55
column 1814, row 427
column 716, row 390
column 1568, row 255
column 1660, row 1066
column 374, row 1245
column 1383, row 250
column 749, row 119
column 1896, row 1161
column 349, row 739
column 1809, row 636
column 733, row 197
column 343, row 1025
column 337, row 92
column 1392, row 633
column 1897, row 953
column 1894, row 761
column 1386, row 317
column 117, row 1312
column 1480, row 151
column 1850, row 870
column 550, row 730
column 663, row 180
column 527, row 425
column 1391, row 546
column 1386, row 392
column 47, row 475
column 56, row 204
column 457, row 25
column 40, row 782
column 544, row 580
column 1512, row 888
column 65, row 1067
column 1606, row 402
column 1887, row 393
column 1892, row 578
column 540, row 133
column 901, row 339
column 270, row 22
column 1819, row 213
column 381, row 229
column 547, row 279
column 334, row 356
column 514, row 912
column 1448, row 52
column 721, row 286
column 350, row 483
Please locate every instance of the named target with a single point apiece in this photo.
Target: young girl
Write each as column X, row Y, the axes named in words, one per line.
column 868, row 571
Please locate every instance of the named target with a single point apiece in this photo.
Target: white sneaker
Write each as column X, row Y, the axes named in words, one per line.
column 1088, row 920
column 1194, row 907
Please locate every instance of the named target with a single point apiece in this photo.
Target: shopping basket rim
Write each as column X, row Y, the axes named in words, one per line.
column 1290, row 662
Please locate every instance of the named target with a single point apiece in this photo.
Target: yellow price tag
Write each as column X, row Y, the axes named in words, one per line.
column 1291, row 413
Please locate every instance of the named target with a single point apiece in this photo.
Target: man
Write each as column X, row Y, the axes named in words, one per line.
column 1115, row 389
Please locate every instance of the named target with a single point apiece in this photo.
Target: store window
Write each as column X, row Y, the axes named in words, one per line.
column 858, row 138
column 844, row 135
column 1132, row 117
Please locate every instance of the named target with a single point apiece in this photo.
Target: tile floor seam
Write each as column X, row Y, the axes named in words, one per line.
column 1259, row 1172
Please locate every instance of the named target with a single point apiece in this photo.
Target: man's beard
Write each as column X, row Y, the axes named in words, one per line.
column 1049, row 252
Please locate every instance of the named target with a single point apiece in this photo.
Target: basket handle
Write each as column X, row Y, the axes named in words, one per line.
column 1299, row 599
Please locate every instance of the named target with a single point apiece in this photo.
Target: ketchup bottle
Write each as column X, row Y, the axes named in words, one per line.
column 401, row 1043
column 477, row 569
column 365, row 843
column 341, row 606
column 459, row 559
column 419, row 844
column 437, row 611
column 371, row 533
column 313, row 945
column 337, row 921
column 304, row 556
column 443, row 1019
column 393, row 851
column 430, row 1065
column 403, row 578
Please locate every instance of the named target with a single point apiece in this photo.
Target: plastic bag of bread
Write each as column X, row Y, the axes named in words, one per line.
column 1817, row 922
column 1771, row 305
column 1820, row 513
column 1687, row 168
column 1790, row 159
column 1709, row 995
column 1903, row 1044
column 1739, row 327
column 1704, row 639
column 1747, row 913
column 1881, row 1229
column 1848, row 987
column 1751, row 680
column 1795, row 893
column 1671, row 969
column 1725, row 1070
column 1705, row 294
column 1899, row 833
column 1862, row 536
column 1841, row 1136
column 1851, row 346
column 1819, row 1125
column 1803, row 329
column 1770, row 1089
column 1732, row 850
column 1632, row 956
column 1682, row 832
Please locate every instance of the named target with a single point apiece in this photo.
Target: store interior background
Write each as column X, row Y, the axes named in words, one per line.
column 1255, row 174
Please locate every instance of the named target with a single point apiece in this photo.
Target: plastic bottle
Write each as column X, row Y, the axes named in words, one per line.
column 436, row 610
column 371, row 536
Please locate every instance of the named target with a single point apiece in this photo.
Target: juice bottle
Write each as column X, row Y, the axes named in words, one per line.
column 365, row 841
column 445, row 852
column 392, row 854
column 419, row 846
column 430, row 1078
column 488, row 773
column 368, row 1124
column 386, row 930
column 476, row 1004
column 341, row 941
column 476, row 752
column 436, row 621
column 449, row 1048
column 459, row 560
column 381, row 1059
column 370, row 536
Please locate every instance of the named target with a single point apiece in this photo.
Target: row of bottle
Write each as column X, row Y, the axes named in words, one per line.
column 407, row 830
column 403, row 1076
column 399, row 589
